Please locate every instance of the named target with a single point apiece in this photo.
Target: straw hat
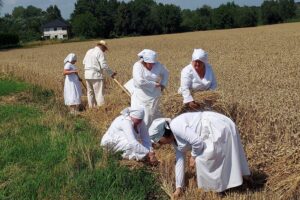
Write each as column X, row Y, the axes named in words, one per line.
column 103, row 43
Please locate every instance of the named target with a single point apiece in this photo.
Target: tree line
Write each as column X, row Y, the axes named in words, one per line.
column 112, row 18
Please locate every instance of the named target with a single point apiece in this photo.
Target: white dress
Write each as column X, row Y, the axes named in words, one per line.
column 72, row 88
column 121, row 136
column 191, row 82
column 215, row 142
column 144, row 93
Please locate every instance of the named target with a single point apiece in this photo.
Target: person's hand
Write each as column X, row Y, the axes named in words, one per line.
column 178, row 192
column 113, row 75
column 155, row 145
column 152, row 159
column 192, row 162
column 158, row 85
column 193, row 105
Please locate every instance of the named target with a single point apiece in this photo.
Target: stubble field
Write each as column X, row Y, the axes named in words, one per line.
column 257, row 70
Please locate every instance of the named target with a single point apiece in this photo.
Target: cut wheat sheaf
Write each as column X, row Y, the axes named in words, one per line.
column 173, row 106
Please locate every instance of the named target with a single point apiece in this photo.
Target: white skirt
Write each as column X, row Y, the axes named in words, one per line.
column 72, row 90
column 223, row 162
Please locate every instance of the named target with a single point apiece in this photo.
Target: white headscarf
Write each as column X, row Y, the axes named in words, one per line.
column 148, row 56
column 135, row 113
column 200, row 54
column 70, row 58
column 157, row 128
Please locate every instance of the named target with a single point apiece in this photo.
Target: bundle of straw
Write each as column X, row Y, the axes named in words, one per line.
column 172, row 105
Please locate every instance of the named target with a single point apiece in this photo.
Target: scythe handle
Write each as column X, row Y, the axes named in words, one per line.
column 122, row 87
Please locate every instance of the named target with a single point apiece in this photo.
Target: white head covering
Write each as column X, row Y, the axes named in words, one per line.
column 135, row 113
column 200, row 54
column 157, row 128
column 70, row 58
column 148, row 56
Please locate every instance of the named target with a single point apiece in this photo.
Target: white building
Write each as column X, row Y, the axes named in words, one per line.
column 57, row 29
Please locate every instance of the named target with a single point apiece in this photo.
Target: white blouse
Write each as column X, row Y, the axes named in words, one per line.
column 145, row 80
column 191, row 82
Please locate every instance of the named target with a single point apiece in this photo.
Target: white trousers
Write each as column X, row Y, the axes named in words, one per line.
column 95, row 92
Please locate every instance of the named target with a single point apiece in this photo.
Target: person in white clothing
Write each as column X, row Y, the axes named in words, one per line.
column 72, row 88
column 94, row 63
column 150, row 78
column 195, row 77
column 125, row 133
column 215, row 145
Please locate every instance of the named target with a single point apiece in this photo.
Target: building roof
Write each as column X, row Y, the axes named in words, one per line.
column 56, row 23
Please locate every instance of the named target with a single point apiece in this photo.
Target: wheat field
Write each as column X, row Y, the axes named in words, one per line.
column 257, row 70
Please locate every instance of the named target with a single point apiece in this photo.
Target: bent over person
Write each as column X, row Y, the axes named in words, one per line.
column 125, row 133
column 94, row 63
column 215, row 145
column 195, row 77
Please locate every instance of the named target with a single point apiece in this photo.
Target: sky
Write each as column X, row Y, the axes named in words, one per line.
column 67, row 6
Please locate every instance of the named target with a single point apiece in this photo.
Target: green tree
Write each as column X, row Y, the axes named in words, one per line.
column 204, row 18
column 84, row 6
column 123, row 20
column 142, row 22
column 25, row 22
column 270, row 12
column 167, row 18
column 85, row 25
column 189, row 19
column 106, row 12
column 247, row 17
column 287, row 9
column 52, row 13
column 32, row 11
column 18, row 12
column 225, row 16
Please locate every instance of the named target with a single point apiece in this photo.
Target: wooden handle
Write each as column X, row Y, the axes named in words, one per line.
column 122, row 87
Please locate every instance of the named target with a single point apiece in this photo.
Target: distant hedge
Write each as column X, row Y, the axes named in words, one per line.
column 7, row 39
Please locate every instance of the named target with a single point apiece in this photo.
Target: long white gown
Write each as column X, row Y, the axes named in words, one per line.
column 121, row 136
column 145, row 94
column 215, row 142
column 72, row 88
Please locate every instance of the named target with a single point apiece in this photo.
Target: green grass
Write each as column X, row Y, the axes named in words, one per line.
column 45, row 155
column 11, row 86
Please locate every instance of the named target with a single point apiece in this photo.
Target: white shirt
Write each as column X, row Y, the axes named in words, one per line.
column 121, row 136
column 145, row 80
column 94, row 64
column 191, row 82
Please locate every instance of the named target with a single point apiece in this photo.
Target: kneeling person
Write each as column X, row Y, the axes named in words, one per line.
column 125, row 133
